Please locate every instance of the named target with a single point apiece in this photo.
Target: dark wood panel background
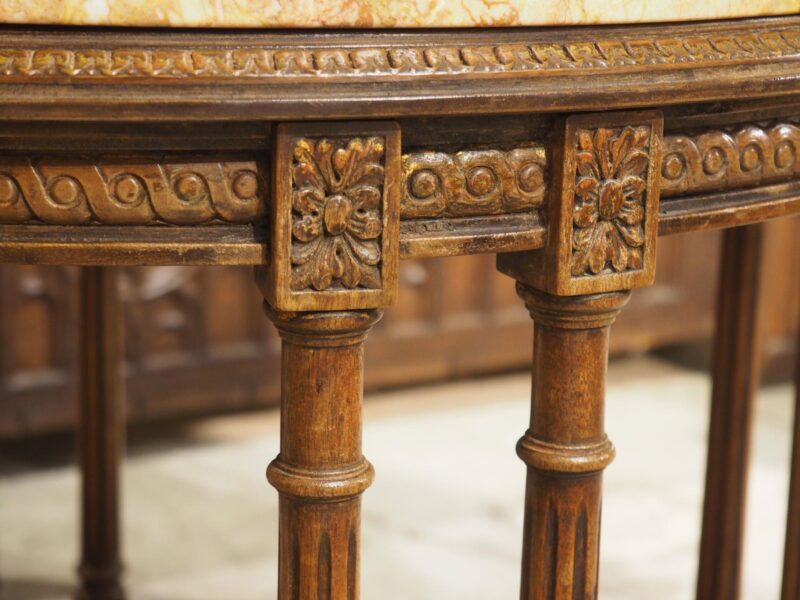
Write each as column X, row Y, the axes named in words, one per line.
column 198, row 343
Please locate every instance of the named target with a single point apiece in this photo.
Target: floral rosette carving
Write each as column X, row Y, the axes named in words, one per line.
column 608, row 217
column 336, row 213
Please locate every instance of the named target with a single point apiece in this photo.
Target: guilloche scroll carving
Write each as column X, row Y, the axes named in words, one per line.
column 473, row 182
column 720, row 160
column 131, row 191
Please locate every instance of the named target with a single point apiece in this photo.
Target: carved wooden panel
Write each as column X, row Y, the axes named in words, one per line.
column 335, row 217
column 188, row 190
column 722, row 159
column 608, row 215
column 460, row 197
column 610, row 202
column 38, row 356
column 602, row 221
column 154, row 190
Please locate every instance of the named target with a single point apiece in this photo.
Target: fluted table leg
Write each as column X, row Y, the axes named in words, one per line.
column 566, row 448
column 334, row 249
column 320, row 472
column 574, row 288
column 735, row 378
column 100, row 434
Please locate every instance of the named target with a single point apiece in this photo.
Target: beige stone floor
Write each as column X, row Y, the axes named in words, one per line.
column 443, row 519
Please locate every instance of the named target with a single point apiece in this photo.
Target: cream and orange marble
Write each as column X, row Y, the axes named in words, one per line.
column 378, row 13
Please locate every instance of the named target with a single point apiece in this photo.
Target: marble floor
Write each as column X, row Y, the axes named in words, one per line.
column 443, row 519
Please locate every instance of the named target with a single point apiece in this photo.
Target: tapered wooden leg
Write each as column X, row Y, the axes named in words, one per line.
column 791, row 563
column 566, row 448
column 735, row 378
column 100, row 435
column 320, row 472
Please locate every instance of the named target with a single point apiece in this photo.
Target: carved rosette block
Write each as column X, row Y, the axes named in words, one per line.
column 335, row 217
column 603, row 216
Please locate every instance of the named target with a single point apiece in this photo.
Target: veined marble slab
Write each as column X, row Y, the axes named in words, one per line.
column 378, row 13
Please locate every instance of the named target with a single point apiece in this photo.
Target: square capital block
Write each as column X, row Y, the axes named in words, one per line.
column 335, row 217
column 603, row 212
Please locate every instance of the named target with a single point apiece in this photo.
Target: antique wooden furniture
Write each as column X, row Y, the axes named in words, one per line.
column 324, row 158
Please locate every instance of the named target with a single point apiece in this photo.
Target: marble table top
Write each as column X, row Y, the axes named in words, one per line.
column 378, row 13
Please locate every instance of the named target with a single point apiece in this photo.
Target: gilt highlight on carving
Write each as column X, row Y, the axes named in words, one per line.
column 112, row 190
column 561, row 56
column 473, row 182
column 609, row 200
column 720, row 160
column 336, row 221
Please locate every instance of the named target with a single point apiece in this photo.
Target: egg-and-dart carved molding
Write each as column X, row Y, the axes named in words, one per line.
column 271, row 61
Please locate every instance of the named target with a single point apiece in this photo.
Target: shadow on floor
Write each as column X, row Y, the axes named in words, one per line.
column 22, row 589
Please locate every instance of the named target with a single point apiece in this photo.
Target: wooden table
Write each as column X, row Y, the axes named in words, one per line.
column 324, row 158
